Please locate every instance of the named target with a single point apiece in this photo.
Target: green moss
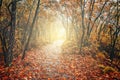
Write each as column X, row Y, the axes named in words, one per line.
column 108, row 69
column 101, row 66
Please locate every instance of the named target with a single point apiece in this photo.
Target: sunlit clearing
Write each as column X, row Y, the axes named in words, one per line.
column 58, row 42
column 58, row 1
column 54, row 49
column 61, row 34
column 58, row 33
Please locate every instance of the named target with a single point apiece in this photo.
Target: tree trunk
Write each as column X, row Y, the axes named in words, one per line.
column 9, row 53
column 82, row 24
column 114, row 36
column 31, row 29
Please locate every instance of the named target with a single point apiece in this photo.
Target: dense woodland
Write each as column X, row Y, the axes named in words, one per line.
column 59, row 40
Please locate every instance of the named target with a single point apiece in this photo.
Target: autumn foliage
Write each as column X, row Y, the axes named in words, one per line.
column 59, row 40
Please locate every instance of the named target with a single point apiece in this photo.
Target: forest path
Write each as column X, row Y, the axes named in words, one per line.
column 56, row 65
column 48, row 63
column 53, row 50
column 53, row 61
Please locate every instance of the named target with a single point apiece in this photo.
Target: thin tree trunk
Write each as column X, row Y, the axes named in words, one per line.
column 114, row 36
column 31, row 29
column 0, row 5
column 90, row 30
column 26, row 26
column 82, row 24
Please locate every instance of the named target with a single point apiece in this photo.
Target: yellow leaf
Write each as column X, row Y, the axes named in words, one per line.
column 2, row 18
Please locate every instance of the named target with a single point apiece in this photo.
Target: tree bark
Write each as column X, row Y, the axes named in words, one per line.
column 31, row 29
column 9, row 53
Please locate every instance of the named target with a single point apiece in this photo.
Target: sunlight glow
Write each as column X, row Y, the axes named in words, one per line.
column 58, row 31
column 61, row 34
column 57, row 37
column 53, row 50
column 58, row 1
column 58, row 43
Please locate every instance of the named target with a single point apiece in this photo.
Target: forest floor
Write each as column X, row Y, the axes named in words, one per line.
column 48, row 63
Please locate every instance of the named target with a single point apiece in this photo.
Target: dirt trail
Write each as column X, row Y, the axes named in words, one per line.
column 53, row 63
column 57, row 65
column 48, row 63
